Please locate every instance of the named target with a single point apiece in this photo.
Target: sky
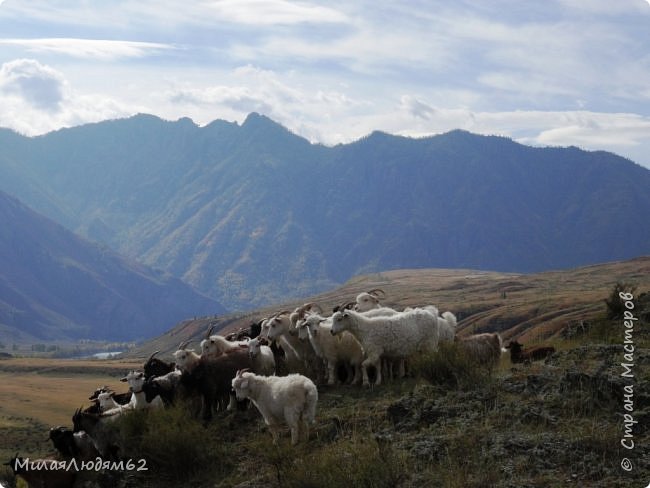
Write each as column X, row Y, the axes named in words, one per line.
column 551, row 73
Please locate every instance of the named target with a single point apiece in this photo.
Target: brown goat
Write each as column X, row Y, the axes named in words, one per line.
column 520, row 355
column 211, row 379
column 484, row 349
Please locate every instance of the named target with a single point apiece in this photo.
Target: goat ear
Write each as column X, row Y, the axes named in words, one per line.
column 124, row 380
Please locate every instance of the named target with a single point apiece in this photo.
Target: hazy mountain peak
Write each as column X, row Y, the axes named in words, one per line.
column 253, row 214
column 256, row 122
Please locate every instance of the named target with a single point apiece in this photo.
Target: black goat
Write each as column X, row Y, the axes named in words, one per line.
column 93, row 424
column 250, row 332
column 42, row 472
column 63, row 440
column 71, row 444
column 157, row 367
column 520, row 355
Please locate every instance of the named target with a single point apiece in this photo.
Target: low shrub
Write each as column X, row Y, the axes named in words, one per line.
column 360, row 461
column 175, row 446
column 450, row 366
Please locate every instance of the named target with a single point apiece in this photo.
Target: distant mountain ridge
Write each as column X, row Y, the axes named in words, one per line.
column 56, row 286
column 253, row 214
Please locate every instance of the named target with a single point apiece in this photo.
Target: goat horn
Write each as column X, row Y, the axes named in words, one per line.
column 210, row 329
column 313, row 305
column 150, row 358
column 374, row 292
column 242, row 371
column 183, row 344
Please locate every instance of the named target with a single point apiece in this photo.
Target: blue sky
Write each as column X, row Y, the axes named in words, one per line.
column 557, row 73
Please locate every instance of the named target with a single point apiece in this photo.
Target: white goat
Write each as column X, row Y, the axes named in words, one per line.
column 388, row 364
column 262, row 356
column 344, row 349
column 186, row 359
column 136, row 380
column 395, row 336
column 279, row 329
column 106, row 401
column 280, row 399
column 447, row 326
column 301, row 312
column 368, row 300
column 217, row 345
column 447, row 323
column 368, row 303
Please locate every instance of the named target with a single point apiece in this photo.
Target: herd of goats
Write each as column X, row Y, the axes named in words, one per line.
column 275, row 364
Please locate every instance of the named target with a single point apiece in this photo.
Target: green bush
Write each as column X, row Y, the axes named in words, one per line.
column 175, row 446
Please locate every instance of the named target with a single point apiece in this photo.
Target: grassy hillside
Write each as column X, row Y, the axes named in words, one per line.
column 530, row 307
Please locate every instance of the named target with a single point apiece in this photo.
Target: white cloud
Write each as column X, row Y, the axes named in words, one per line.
column 37, row 84
column 269, row 12
column 622, row 133
column 95, row 49
column 598, row 130
column 36, row 98
column 606, row 7
column 416, row 107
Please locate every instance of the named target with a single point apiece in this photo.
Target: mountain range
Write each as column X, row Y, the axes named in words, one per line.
column 56, row 286
column 252, row 214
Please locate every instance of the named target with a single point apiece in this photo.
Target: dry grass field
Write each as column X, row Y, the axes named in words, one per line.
column 37, row 394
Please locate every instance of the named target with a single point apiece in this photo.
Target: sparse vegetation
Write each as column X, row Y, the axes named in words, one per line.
column 615, row 305
column 451, row 366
